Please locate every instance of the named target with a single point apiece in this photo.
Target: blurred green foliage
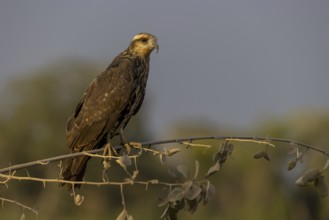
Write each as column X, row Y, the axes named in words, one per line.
column 33, row 114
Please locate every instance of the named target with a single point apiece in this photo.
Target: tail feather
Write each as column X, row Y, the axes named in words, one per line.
column 74, row 170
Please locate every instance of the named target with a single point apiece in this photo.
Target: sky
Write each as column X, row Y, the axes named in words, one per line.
column 230, row 62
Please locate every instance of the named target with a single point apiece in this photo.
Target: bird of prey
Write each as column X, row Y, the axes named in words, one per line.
column 108, row 103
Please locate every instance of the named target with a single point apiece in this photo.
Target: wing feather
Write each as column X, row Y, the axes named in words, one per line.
column 100, row 107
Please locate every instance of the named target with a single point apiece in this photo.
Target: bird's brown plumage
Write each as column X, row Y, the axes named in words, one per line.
column 108, row 103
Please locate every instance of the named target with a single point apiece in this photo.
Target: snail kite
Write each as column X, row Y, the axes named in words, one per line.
column 108, row 104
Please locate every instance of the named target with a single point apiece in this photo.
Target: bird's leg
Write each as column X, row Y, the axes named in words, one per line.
column 106, row 161
column 124, row 141
column 107, row 149
column 128, row 145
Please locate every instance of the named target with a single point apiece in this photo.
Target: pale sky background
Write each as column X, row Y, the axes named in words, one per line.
column 227, row 62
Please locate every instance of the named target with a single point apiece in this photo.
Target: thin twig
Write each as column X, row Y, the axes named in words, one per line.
column 260, row 140
column 19, row 204
column 43, row 181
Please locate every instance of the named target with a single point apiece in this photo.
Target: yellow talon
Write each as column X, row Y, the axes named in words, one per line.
column 128, row 148
column 136, row 145
column 107, row 149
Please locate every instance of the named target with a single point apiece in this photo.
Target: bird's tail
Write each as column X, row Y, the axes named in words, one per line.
column 74, row 170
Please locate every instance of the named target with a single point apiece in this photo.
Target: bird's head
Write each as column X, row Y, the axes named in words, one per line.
column 143, row 44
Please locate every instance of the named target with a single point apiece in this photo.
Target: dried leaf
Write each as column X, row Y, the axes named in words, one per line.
column 186, row 186
column 165, row 213
column 78, row 200
column 213, row 169
column 326, row 166
column 196, row 171
column 262, row 154
column 172, row 171
column 267, row 157
column 163, row 158
column 193, row 192
column 209, row 193
column 216, row 156
column 176, row 206
column 229, row 148
column 169, row 213
column 106, row 164
column 292, row 150
column 135, row 174
column 292, row 164
column 124, row 216
column 259, row 154
column 175, row 195
column 225, row 150
column 173, row 151
column 183, row 170
column 191, row 205
column 126, row 160
column 163, row 196
column 321, row 185
column 22, row 216
column 309, row 176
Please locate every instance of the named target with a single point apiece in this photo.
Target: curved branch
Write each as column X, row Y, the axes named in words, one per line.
column 263, row 140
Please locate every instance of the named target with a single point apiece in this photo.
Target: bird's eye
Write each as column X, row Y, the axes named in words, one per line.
column 144, row 40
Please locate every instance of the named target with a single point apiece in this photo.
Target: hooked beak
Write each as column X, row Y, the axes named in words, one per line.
column 157, row 47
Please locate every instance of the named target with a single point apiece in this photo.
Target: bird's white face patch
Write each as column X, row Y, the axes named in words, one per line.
column 139, row 36
column 144, row 44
